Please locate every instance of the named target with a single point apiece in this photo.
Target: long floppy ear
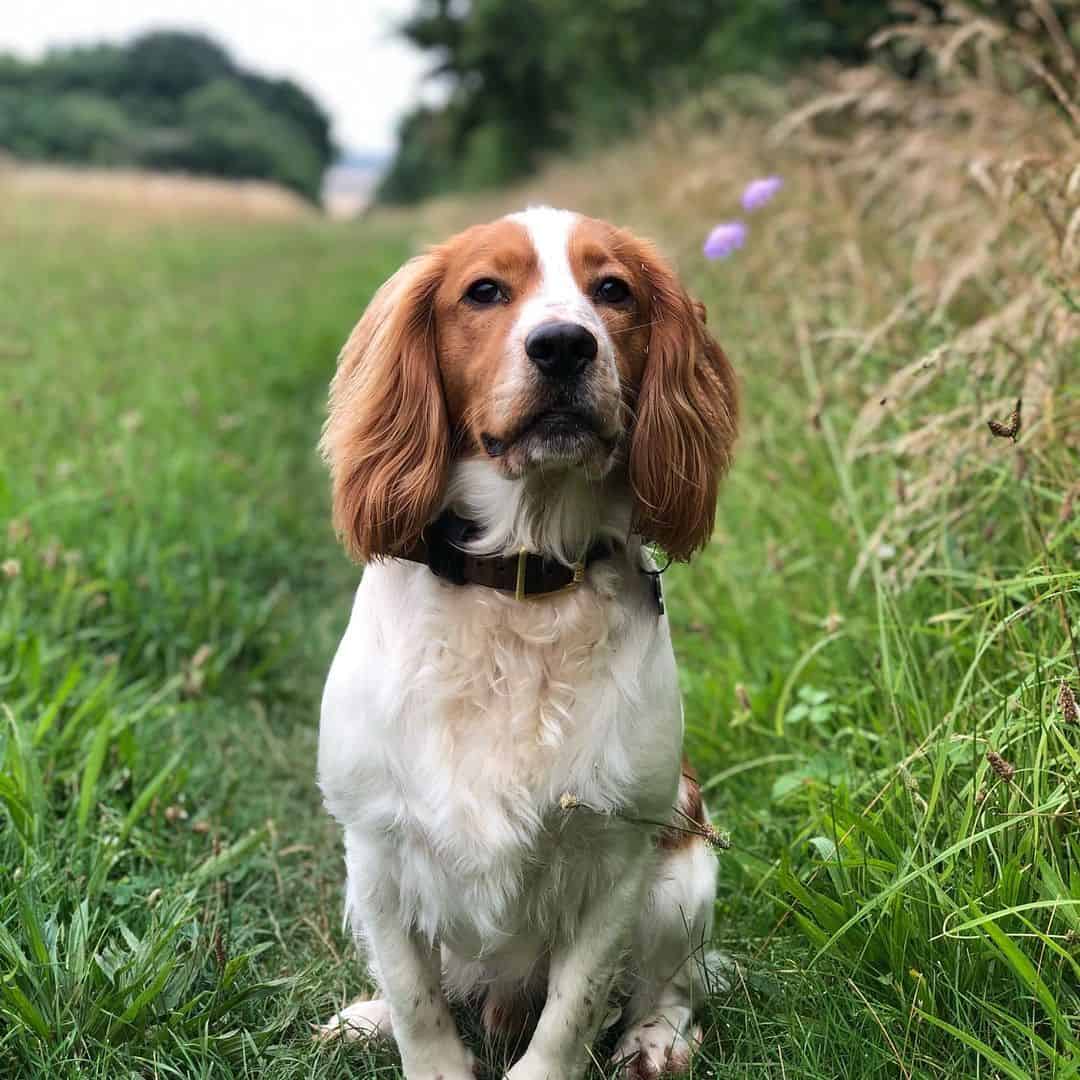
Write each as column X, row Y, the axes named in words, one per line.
column 387, row 439
column 686, row 418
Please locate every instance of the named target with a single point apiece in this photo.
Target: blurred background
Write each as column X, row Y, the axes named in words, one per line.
column 400, row 100
column 878, row 203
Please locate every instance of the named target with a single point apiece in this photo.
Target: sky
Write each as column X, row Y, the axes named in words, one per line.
column 344, row 52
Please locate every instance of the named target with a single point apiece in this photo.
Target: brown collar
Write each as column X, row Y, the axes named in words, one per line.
column 527, row 575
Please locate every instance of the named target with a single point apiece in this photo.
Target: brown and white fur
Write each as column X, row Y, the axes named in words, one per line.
column 457, row 720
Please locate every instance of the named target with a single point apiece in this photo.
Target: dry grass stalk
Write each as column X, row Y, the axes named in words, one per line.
column 715, row 838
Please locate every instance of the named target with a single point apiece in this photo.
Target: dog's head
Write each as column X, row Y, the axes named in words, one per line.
column 542, row 341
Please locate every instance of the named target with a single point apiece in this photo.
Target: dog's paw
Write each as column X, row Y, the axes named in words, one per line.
column 444, row 1067
column 360, row 1020
column 534, row 1067
column 656, row 1047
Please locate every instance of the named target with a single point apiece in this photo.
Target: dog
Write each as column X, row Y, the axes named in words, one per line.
column 519, row 411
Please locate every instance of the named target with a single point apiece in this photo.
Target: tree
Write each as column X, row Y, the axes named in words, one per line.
column 166, row 100
column 533, row 76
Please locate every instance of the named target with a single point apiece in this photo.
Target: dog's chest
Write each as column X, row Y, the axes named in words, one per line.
column 458, row 733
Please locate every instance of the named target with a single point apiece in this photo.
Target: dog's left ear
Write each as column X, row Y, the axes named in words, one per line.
column 686, row 417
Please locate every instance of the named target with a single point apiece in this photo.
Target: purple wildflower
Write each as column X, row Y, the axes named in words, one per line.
column 758, row 192
column 726, row 238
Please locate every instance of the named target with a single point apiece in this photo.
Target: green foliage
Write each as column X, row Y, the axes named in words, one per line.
column 74, row 126
column 167, row 100
column 227, row 132
column 537, row 77
column 531, row 78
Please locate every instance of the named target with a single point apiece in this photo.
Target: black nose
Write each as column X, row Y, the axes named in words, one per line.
column 560, row 349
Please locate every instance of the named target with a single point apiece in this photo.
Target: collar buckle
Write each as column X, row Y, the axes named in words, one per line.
column 520, row 592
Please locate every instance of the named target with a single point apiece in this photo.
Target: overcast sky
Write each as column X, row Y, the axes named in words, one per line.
column 343, row 51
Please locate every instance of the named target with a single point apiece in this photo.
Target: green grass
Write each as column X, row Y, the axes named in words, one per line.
column 170, row 889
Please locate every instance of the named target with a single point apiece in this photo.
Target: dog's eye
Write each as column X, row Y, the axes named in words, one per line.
column 485, row 292
column 612, row 290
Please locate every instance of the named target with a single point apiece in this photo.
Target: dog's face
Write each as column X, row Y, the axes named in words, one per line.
column 541, row 322
column 542, row 341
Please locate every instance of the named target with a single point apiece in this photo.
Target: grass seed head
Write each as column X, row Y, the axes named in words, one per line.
column 50, row 554
column 1067, row 704
column 1068, row 503
column 18, row 530
column 1005, row 769
column 717, row 840
column 1009, row 430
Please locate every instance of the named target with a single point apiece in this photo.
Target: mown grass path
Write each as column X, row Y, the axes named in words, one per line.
column 171, row 595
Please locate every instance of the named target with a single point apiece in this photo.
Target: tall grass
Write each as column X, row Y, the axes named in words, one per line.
column 873, row 648
column 169, row 595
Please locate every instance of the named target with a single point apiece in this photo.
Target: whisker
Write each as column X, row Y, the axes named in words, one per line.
column 639, row 326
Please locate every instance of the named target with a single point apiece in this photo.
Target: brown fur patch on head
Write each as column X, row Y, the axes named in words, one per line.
column 598, row 251
column 472, row 341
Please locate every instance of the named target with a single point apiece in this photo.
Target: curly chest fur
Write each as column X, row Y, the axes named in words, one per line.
column 452, row 731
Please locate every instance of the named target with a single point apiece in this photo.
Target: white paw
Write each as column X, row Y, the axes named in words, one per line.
column 360, row 1020
column 447, row 1061
column 656, row 1047
column 533, row 1067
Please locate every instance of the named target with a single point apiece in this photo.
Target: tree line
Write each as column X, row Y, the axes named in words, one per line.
column 166, row 100
column 528, row 78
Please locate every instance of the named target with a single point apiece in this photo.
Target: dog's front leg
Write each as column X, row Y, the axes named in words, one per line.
column 409, row 971
column 579, row 983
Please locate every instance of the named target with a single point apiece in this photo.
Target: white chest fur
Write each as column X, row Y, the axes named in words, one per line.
column 454, row 720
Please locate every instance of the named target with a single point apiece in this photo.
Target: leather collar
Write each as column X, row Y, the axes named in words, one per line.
column 527, row 575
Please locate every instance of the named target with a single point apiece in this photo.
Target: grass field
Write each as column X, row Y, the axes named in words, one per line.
column 892, row 593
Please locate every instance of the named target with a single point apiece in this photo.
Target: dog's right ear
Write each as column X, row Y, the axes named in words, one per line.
column 387, row 438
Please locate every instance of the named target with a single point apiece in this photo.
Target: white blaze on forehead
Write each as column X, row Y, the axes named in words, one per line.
column 558, row 295
column 550, row 231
